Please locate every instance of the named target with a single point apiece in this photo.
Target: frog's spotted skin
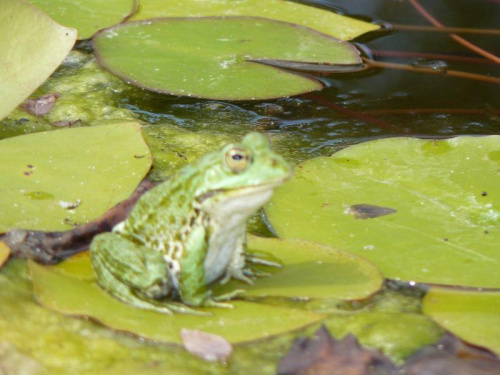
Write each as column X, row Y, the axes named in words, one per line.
column 190, row 230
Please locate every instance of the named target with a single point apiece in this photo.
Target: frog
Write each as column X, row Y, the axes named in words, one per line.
column 190, row 230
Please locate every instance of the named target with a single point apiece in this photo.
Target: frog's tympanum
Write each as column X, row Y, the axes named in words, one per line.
column 189, row 231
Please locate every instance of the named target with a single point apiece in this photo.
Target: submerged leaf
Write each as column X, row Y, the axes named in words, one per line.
column 34, row 48
column 87, row 16
column 219, row 58
column 322, row 354
column 447, row 197
column 80, row 296
column 95, row 166
column 474, row 316
column 321, row 20
column 308, row 270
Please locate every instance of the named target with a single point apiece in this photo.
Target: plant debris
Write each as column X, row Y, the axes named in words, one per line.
column 207, row 346
column 322, row 354
column 369, row 211
column 40, row 106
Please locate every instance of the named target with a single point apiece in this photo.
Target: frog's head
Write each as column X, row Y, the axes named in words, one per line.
column 241, row 177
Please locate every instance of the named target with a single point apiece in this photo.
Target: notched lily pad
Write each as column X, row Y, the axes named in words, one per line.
column 35, row 48
column 55, row 180
column 82, row 297
column 87, row 16
column 217, row 57
column 446, row 229
column 324, row 21
column 474, row 316
column 308, row 270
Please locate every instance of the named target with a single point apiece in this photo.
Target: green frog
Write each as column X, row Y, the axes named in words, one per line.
column 190, row 230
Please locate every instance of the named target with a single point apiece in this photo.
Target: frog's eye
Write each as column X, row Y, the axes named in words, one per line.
column 237, row 159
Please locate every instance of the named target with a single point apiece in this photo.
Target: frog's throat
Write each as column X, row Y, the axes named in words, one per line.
column 228, row 217
column 230, row 193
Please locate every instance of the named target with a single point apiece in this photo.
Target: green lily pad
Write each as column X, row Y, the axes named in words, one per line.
column 34, row 49
column 472, row 316
column 81, row 297
column 54, row 180
column 324, row 21
column 218, row 58
column 87, row 16
column 420, row 210
column 309, row 270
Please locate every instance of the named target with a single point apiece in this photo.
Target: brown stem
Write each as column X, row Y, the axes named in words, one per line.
column 434, row 56
column 460, row 30
column 408, row 111
column 450, row 73
column 455, row 37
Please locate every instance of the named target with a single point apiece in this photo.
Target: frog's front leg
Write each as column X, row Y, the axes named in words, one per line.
column 235, row 268
column 239, row 267
column 132, row 273
column 192, row 288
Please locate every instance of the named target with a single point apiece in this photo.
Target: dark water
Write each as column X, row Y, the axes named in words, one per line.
column 375, row 103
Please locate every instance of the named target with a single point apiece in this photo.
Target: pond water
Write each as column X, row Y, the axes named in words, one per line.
column 377, row 103
column 352, row 108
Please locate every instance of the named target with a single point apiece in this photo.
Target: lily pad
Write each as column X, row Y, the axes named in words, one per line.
column 35, row 48
column 87, row 16
column 324, row 21
column 471, row 315
column 309, row 270
column 218, row 58
column 80, row 297
column 4, row 253
column 446, row 197
column 55, row 180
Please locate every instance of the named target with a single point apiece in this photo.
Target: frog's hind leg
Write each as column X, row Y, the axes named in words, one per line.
column 133, row 274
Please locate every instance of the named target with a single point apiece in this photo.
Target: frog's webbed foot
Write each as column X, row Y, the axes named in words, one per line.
column 229, row 296
column 176, row 307
column 255, row 273
column 256, row 259
column 237, row 274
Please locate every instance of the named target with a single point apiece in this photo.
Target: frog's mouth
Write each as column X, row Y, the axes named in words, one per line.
column 241, row 192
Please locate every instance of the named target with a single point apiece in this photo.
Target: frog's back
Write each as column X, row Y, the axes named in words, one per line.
column 166, row 212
